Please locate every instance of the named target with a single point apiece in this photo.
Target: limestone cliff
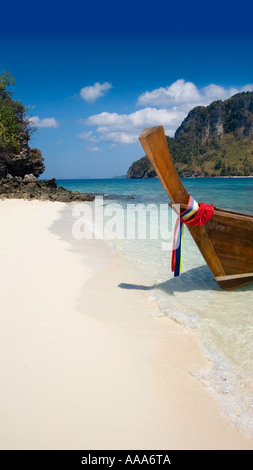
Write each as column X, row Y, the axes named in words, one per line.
column 19, row 177
column 216, row 140
column 21, row 165
column 26, row 161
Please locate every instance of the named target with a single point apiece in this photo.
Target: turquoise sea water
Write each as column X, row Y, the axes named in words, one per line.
column 223, row 319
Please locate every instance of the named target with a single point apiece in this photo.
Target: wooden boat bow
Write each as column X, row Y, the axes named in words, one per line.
column 226, row 240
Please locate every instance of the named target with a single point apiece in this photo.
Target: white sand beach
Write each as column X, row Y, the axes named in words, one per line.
column 85, row 363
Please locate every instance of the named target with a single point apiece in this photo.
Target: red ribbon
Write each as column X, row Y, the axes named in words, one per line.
column 201, row 217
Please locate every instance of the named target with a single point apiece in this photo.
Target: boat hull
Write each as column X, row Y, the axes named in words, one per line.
column 233, row 282
column 226, row 240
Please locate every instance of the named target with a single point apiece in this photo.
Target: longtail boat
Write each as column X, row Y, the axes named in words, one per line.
column 226, row 239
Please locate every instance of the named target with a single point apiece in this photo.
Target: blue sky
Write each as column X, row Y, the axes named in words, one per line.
column 96, row 75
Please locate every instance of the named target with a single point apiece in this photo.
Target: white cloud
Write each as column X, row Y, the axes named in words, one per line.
column 125, row 128
column 163, row 106
column 94, row 149
column 214, row 92
column 120, row 137
column 92, row 93
column 88, row 135
column 177, row 93
column 46, row 122
column 248, row 87
column 182, row 92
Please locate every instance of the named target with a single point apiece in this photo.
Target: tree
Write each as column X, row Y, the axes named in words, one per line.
column 6, row 81
column 13, row 117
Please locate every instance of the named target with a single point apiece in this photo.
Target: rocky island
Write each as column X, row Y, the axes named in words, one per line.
column 212, row 141
column 20, row 165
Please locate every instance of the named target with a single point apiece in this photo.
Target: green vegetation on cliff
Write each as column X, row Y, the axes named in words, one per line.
column 20, row 165
column 141, row 169
column 16, row 157
column 13, row 120
column 216, row 140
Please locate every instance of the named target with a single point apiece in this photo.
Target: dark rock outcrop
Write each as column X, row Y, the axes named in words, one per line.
column 29, row 187
column 20, row 165
column 27, row 161
column 19, row 177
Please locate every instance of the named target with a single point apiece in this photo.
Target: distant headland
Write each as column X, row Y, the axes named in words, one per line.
column 212, row 141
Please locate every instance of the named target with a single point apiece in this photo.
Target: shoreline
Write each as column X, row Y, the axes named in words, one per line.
column 88, row 364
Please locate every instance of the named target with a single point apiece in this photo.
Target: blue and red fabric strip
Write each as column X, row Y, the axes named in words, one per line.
column 176, row 261
column 191, row 209
column 178, row 257
column 203, row 212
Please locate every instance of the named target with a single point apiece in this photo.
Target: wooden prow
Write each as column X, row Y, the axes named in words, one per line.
column 154, row 142
column 226, row 240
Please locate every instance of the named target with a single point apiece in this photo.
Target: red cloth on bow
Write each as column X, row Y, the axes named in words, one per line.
column 201, row 217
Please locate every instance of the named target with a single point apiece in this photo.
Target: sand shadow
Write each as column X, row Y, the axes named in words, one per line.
column 195, row 279
column 198, row 279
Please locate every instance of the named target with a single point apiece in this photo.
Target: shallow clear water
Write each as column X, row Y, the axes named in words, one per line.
column 223, row 319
